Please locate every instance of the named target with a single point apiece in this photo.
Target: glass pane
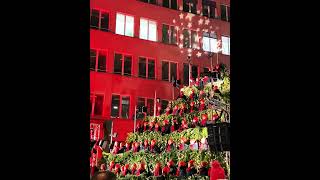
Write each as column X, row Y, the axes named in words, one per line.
column 165, row 3
column 129, row 26
column 120, row 24
column 194, row 72
column 185, row 6
column 127, row 65
column 98, row 105
column 90, row 107
column 115, row 105
column 174, row 4
column 205, row 44
column 117, row 69
column 225, row 45
column 152, row 31
column 92, row 59
column 165, row 34
column 102, row 63
column 173, row 71
column 104, row 21
column 164, row 104
column 186, row 74
column 186, row 38
column 125, row 107
column 143, row 29
column 193, row 39
column 94, row 23
column 223, row 12
column 205, row 70
column 152, row 1
column 194, row 8
column 205, row 11
column 228, row 12
column 140, row 102
column 151, row 74
column 142, row 67
column 150, row 107
column 212, row 11
column 165, row 71
column 173, row 35
column 213, row 45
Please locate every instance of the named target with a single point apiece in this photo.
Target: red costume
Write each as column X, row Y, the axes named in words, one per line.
column 216, row 171
column 202, row 105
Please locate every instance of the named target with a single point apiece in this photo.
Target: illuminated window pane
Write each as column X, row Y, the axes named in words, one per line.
column 151, row 74
column 129, row 26
column 213, row 45
column 117, row 68
column 143, row 29
column 165, row 71
column 206, row 43
column 102, row 62
column 125, row 107
column 120, row 24
column 142, row 67
column 173, row 71
column 127, row 65
column 225, row 45
column 115, row 105
column 152, row 31
column 94, row 22
column 98, row 105
column 92, row 60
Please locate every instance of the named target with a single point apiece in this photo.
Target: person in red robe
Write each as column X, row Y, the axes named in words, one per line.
column 183, row 145
column 191, row 106
column 141, row 169
column 203, row 171
column 157, row 170
column 204, row 119
column 191, row 170
column 202, row 105
column 115, row 149
column 156, row 127
column 216, row 171
column 111, row 165
column 153, row 147
column 170, row 145
column 134, row 169
column 127, row 148
column 117, row 169
column 136, row 147
column 195, row 122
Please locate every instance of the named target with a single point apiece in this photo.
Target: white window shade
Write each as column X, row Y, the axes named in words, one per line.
column 225, row 45
column 206, row 44
column 120, row 24
column 143, row 29
column 213, row 45
column 129, row 26
column 152, row 31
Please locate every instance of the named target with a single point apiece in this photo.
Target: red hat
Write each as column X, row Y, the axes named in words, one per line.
column 204, row 116
column 117, row 166
column 153, row 141
column 126, row 166
column 195, row 119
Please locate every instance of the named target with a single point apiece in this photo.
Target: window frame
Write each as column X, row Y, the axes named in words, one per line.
column 148, row 34
column 190, row 38
column 170, row 4
column 227, row 36
column 122, row 62
column 227, row 16
column 100, row 15
column 93, row 95
column 169, row 70
column 208, row 7
column 189, row 5
column 216, row 35
column 98, row 51
column 120, row 105
column 170, row 40
column 125, row 24
column 147, row 67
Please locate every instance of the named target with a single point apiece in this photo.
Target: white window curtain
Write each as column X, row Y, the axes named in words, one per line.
column 152, row 31
column 225, row 45
column 120, row 24
column 143, row 29
column 206, row 43
column 129, row 28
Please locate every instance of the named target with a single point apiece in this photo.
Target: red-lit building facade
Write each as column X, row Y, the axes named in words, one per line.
column 138, row 46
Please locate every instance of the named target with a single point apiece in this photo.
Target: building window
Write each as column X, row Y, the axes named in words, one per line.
column 148, row 29
column 209, row 42
column 169, row 71
column 194, row 72
column 225, row 45
column 96, row 102
column 150, row 1
column 205, row 70
column 146, row 65
column 186, row 74
column 164, row 104
column 190, row 6
column 98, row 60
column 189, row 39
column 170, row 4
column 169, row 34
column 150, row 107
column 208, row 8
column 225, row 12
column 125, row 107
column 122, row 64
column 115, row 106
column 149, row 103
column 124, row 25
column 99, row 20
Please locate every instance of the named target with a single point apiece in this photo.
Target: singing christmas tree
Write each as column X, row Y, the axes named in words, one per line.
column 174, row 144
